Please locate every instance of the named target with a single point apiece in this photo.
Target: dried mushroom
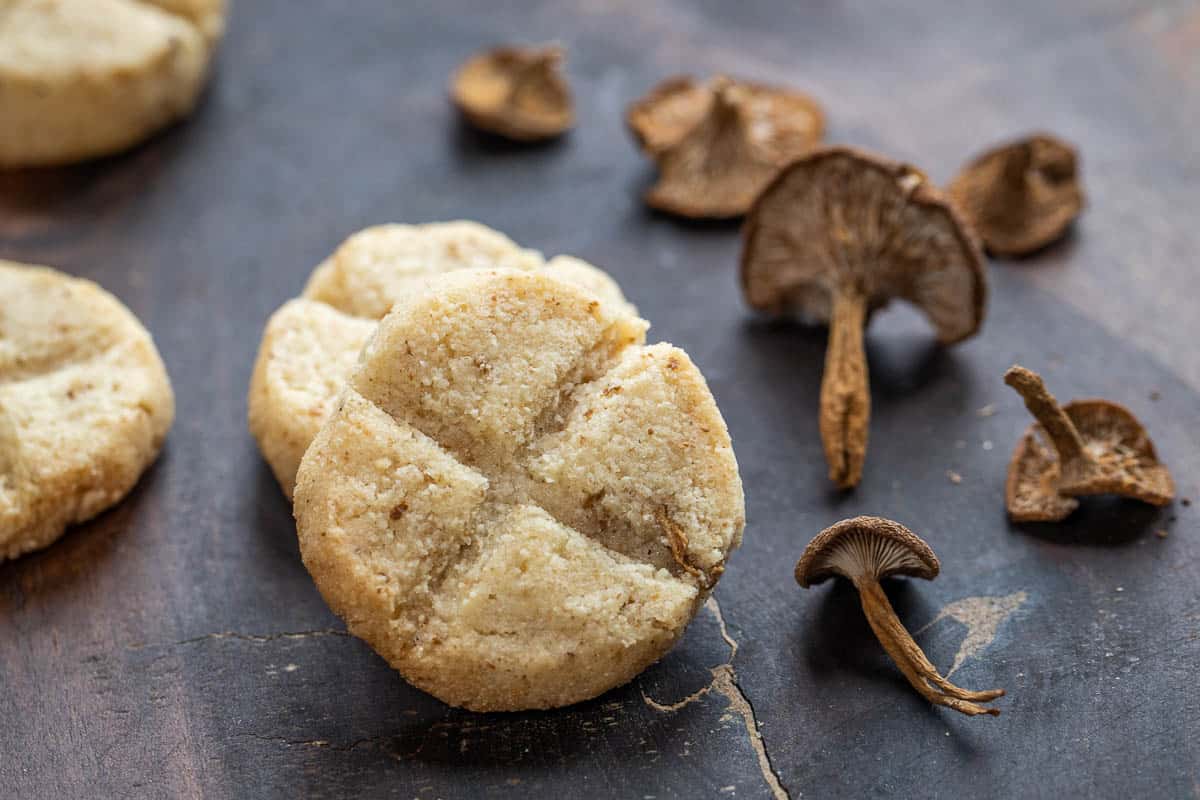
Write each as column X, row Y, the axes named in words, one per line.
column 667, row 112
column 722, row 160
column 516, row 92
column 864, row 550
column 1085, row 447
column 1021, row 196
column 837, row 235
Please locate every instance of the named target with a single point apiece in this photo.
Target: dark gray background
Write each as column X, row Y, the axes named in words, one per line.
column 176, row 646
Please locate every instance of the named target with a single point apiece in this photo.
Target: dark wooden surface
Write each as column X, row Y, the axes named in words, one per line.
column 176, row 646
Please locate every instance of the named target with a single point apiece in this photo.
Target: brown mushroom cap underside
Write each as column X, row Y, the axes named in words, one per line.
column 746, row 133
column 1119, row 444
column 865, row 546
column 1127, row 465
column 839, row 219
column 1022, row 195
column 516, row 92
column 1031, row 490
column 662, row 116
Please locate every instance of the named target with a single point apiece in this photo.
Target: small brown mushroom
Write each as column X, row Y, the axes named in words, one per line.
column 516, row 92
column 1022, row 195
column 665, row 114
column 714, row 166
column 1095, row 447
column 835, row 236
column 865, row 550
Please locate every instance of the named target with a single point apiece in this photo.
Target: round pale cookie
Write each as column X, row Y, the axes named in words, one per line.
column 311, row 343
column 84, row 404
column 86, row 78
column 517, row 503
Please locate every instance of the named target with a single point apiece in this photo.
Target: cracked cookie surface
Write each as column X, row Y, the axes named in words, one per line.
column 311, row 343
column 84, row 404
column 517, row 502
column 81, row 79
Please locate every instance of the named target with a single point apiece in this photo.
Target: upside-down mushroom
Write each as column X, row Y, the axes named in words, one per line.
column 1020, row 196
column 865, row 550
column 715, row 166
column 1095, row 447
column 516, row 92
column 662, row 116
column 835, row 236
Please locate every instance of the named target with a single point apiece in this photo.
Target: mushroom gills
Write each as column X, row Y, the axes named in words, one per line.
column 865, row 550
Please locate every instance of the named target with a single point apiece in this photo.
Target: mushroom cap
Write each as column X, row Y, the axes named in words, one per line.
column 1031, row 491
column 1118, row 442
column 1022, row 195
column 517, row 92
column 865, row 547
column 664, row 115
column 838, row 219
column 746, row 132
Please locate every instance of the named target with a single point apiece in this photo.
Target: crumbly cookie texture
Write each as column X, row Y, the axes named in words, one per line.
column 85, row 404
column 81, row 79
column 517, row 502
column 311, row 344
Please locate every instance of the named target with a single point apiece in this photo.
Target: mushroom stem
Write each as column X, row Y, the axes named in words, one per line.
column 911, row 660
column 845, row 399
column 1046, row 410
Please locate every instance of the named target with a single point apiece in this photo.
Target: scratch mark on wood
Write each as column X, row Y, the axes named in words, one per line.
column 983, row 617
column 257, row 638
column 322, row 743
column 724, row 682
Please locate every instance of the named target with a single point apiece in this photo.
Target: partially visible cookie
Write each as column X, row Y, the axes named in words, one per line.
column 86, row 78
column 517, row 503
column 311, row 343
column 84, row 404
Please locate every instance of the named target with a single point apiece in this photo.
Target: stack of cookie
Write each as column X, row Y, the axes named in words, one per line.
column 497, row 483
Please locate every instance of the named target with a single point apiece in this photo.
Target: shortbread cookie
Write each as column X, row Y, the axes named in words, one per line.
column 87, row 78
column 517, row 502
column 84, row 404
column 311, row 343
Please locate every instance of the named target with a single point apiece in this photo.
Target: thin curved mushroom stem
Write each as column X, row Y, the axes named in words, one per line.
column 845, row 398
column 911, row 660
column 1046, row 410
column 1013, row 178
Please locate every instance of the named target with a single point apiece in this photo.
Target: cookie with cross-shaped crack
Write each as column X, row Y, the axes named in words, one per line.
column 517, row 502
column 311, row 343
column 85, row 404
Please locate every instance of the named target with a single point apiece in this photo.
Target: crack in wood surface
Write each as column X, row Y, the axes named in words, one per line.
column 724, row 682
column 257, row 638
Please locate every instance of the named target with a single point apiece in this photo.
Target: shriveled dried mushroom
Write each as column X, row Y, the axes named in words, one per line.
column 865, row 550
column 1022, row 195
column 665, row 114
column 1095, row 447
column 715, row 164
column 835, row 236
column 517, row 92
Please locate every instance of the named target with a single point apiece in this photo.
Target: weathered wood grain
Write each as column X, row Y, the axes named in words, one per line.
column 177, row 647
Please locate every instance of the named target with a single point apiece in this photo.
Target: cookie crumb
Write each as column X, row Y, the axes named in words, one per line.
column 953, row 476
column 1161, row 533
column 986, row 411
